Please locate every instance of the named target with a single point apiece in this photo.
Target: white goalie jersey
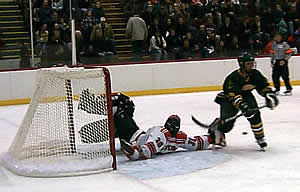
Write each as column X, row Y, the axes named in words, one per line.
column 159, row 140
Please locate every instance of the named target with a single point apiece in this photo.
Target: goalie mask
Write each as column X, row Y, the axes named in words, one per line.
column 173, row 124
column 246, row 61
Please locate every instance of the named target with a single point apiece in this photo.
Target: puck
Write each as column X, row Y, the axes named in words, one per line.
column 245, row 133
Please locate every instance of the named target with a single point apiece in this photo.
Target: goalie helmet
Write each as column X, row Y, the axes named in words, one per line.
column 124, row 105
column 243, row 58
column 173, row 124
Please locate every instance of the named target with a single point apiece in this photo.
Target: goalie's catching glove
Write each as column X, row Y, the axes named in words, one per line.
column 248, row 113
column 271, row 100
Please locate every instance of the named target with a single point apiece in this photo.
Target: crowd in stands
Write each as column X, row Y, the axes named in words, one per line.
column 52, row 29
column 191, row 29
column 168, row 29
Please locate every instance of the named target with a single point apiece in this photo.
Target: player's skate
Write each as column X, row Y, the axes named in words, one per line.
column 88, row 102
column 262, row 144
column 129, row 150
column 288, row 92
column 277, row 92
column 217, row 136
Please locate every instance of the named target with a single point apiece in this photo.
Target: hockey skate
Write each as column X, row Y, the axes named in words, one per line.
column 217, row 136
column 277, row 92
column 262, row 144
column 288, row 92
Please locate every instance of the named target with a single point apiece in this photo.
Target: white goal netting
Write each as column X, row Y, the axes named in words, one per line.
column 67, row 129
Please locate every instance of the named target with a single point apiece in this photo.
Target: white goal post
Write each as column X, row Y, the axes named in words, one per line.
column 68, row 128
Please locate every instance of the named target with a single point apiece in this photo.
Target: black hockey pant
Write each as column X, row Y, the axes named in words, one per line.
column 125, row 127
column 281, row 71
column 229, row 110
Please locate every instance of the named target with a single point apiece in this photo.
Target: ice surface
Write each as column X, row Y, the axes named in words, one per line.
column 248, row 170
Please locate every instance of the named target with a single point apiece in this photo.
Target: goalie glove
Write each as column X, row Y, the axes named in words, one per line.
column 248, row 113
column 271, row 100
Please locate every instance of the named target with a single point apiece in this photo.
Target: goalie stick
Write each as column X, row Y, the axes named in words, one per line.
column 217, row 121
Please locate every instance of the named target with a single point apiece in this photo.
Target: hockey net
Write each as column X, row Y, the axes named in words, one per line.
column 68, row 127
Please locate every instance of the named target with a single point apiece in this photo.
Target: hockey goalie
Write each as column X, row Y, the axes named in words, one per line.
column 139, row 144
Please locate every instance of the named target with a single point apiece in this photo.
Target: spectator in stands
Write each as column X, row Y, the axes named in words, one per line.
column 87, row 24
column 226, row 31
column 214, row 8
column 103, row 37
column 163, row 21
column 131, row 7
column 158, row 46
column 85, row 5
column 185, row 52
column 146, row 14
column 173, row 41
column 234, row 46
column 42, row 40
column 53, row 20
column 202, row 37
column 210, row 26
column 154, row 26
column 191, row 39
column 267, row 20
column 45, row 13
column 137, row 32
column 57, row 5
column 292, row 18
column 229, row 9
column 75, row 9
column 24, row 54
column 169, row 25
column 244, row 33
column 92, row 52
column 254, row 46
column 181, row 28
column 98, row 11
column 220, row 50
column 277, row 13
column 155, row 9
column 66, row 32
column 297, row 38
column 197, row 53
column 60, row 53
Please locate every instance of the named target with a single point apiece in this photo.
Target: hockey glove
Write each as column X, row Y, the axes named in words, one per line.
column 248, row 113
column 271, row 100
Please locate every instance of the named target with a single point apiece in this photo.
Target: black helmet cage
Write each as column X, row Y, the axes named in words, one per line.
column 173, row 124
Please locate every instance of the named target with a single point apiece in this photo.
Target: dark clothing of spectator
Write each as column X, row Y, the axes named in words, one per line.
column 45, row 14
column 267, row 22
column 184, row 53
column 244, row 34
column 181, row 30
column 24, row 56
column 60, row 53
column 227, row 32
column 76, row 13
column 98, row 12
column 277, row 15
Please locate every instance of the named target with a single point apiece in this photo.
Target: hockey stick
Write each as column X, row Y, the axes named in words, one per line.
column 217, row 121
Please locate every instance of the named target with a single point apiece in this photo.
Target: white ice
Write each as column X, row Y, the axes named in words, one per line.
column 247, row 170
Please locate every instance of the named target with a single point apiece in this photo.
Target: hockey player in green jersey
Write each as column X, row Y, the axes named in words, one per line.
column 237, row 96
